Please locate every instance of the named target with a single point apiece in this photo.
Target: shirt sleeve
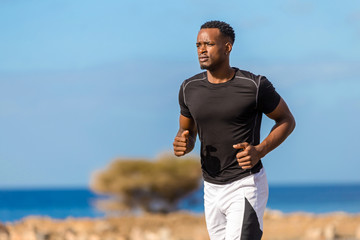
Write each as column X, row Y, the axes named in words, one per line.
column 184, row 110
column 268, row 98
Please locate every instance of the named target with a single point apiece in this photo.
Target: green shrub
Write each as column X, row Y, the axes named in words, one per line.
column 152, row 186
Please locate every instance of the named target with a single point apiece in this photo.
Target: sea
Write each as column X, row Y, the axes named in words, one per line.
column 16, row 204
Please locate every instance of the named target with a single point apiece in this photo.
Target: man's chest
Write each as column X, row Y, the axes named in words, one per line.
column 221, row 104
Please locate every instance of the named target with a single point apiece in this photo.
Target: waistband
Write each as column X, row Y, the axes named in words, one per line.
column 236, row 176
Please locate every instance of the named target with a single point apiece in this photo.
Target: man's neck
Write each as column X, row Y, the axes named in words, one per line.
column 220, row 75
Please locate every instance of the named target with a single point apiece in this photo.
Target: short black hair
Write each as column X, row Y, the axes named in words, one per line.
column 224, row 28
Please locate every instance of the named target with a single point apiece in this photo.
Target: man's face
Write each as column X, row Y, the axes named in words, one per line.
column 211, row 48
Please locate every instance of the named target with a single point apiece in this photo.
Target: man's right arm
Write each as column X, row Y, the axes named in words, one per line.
column 185, row 139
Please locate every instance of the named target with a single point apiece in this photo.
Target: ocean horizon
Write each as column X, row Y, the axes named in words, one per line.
column 61, row 203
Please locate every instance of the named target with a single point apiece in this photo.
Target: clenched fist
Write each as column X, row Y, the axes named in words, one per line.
column 181, row 144
column 248, row 156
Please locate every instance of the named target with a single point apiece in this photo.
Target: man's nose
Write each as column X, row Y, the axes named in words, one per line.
column 202, row 49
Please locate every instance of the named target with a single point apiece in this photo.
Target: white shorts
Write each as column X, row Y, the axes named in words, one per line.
column 236, row 210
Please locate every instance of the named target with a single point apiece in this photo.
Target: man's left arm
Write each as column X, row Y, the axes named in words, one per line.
column 284, row 125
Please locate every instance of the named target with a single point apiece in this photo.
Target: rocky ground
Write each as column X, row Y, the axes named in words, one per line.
column 179, row 226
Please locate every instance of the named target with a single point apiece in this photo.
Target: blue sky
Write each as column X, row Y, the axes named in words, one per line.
column 85, row 82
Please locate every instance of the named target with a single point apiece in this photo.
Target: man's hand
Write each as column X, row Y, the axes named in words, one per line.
column 181, row 143
column 248, row 156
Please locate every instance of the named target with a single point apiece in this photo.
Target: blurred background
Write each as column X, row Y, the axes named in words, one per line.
column 85, row 82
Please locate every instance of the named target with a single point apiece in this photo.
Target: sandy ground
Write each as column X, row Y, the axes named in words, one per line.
column 179, row 226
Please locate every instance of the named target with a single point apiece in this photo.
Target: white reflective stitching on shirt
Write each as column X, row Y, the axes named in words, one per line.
column 257, row 91
column 257, row 87
column 253, row 137
column 184, row 86
column 256, row 102
column 257, row 113
column 247, row 79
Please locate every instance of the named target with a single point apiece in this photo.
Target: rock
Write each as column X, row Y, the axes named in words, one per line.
column 4, row 232
column 326, row 233
column 357, row 233
column 4, row 236
column 273, row 214
column 43, row 236
column 180, row 226
column 330, row 232
column 103, row 226
column 313, row 234
column 28, row 235
column 164, row 234
column 70, row 234
column 136, row 234
column 94, row 237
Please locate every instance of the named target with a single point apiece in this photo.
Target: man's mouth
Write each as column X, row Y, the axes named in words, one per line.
column 203, row 58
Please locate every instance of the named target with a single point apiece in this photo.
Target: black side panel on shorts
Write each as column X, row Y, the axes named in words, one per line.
column 251, row 227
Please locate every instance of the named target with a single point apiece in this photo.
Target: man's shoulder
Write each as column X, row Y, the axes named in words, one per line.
column 257, row 79
column 246, row 74
column 196, row 77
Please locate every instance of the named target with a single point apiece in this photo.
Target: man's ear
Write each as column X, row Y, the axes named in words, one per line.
column 228, row 48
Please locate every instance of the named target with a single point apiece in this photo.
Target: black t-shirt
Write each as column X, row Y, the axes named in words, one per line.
column 226, row 114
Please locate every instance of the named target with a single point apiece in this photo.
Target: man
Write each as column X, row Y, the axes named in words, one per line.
column 224, row 105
